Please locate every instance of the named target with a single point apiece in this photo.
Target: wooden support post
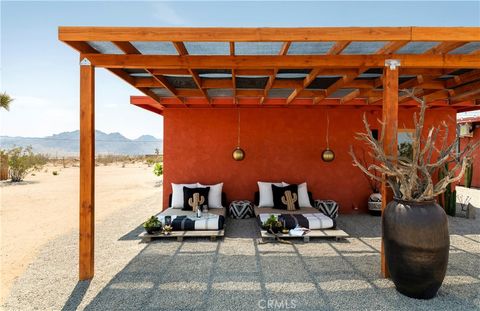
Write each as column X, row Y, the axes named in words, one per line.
column 87, row 169
column 390, row 117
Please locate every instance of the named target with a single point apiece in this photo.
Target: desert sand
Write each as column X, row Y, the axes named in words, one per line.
column 45, row 206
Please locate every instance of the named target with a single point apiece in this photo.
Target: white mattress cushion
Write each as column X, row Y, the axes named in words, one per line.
column 177, row 194
column 303, row 199
column 266, row 194
column 214, row 195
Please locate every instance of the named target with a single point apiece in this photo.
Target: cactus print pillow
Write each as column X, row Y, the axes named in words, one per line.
column 194, row 198
column 285, row 197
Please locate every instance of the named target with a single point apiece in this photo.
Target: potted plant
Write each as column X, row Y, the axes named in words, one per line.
column 415, row 228
column 272, row 225
column 152, row 225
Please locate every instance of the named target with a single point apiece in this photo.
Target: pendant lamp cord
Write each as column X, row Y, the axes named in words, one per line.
column 238, row 134
column 328, row 126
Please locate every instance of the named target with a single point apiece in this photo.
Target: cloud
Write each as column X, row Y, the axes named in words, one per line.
column 168, row 14
column 29, row 102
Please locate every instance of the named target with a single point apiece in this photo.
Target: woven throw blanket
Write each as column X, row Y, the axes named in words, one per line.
column 311, row 220
column 183, row 223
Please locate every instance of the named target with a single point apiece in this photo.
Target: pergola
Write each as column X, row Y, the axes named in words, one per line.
column 340, row 67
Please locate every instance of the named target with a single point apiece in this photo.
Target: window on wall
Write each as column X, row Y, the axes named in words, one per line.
column 404, row 140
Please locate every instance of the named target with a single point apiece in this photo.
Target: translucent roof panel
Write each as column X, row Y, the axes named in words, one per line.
column 258, row 48
column 416, row 47
column 467, row 48
column 208, row 48
column 220, row 92
column 250, row 83
column 105, row 47
column 292, row 73
column 361, row 47
column 162, row 92
column 309, row 48
column 137, row 72
column 321, row 83
column 214, row 73
column 155, row 47
column 341, row 92
column 280, row 93
column 181, row 82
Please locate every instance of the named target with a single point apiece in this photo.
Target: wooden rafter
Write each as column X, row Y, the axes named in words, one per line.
column 182, row 51
column 337, row 85
column 126, row 47
column 306, row 82
column 271, row 78
column 445, row 47
column 165, row 84
column 391, row 47
column 281, row 61
column 234, row 77
column 338, row 47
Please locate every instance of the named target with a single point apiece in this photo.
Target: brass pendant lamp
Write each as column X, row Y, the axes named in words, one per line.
column 238, row 153
column 327, row 154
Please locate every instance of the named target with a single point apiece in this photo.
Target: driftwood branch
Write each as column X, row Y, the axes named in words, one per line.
column 412, row 178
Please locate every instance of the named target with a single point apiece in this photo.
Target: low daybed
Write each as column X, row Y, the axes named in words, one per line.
column 186, row 224
column 319, row 224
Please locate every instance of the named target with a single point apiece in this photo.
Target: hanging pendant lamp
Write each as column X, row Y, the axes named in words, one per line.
column 327, row 154
column 238, row 153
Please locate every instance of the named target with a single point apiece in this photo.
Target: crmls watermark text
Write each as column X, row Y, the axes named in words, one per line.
column 275, row 304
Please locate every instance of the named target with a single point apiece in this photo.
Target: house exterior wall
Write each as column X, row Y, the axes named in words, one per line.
column 476, row 157
column 280, row 145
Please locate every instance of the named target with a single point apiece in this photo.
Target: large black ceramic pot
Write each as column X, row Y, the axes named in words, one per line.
column 416, row 240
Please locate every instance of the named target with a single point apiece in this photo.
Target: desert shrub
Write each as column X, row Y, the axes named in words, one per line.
column 55, row 173
column 158, row 169
column 21, row 161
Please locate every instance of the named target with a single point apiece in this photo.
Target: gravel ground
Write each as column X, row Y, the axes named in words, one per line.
column 237, row 273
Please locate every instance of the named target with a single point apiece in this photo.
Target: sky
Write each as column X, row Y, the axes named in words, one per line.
column 42, row 73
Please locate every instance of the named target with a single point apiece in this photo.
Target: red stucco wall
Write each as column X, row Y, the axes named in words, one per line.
column 280, row 145
column 476, row 157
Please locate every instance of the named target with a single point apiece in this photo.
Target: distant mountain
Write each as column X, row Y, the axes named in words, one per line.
column 67, row 144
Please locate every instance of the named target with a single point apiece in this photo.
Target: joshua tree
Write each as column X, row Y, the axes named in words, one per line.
column 412, row 178
column 5, row 101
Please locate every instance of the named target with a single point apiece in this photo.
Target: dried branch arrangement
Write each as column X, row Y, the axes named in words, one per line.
column 413, row 179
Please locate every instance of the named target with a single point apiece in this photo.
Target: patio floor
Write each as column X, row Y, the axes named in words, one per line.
column 237, row 273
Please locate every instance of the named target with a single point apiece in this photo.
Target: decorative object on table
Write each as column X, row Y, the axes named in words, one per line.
column 152, row 225
column 241, row 209
column 415, row 227
column 327, row 154
column 238, row 153
column 272, row 225
column 167, row 229
column 275, row 226
column 194, row 197
column 285, row 197
column 327, row 207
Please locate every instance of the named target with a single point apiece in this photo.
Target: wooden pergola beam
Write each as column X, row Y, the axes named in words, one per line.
column 390, row 119
column 68, row 33
column 87, row 171
column 281, row 61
